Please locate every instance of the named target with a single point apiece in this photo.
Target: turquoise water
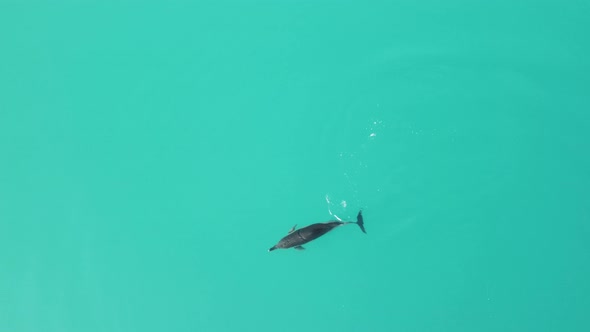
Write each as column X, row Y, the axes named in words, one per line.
column 151, row 153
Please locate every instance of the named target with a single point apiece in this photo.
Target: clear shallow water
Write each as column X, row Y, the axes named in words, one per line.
column 151, row 154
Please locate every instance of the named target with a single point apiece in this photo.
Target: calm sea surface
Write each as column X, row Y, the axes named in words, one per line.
column 151, row 152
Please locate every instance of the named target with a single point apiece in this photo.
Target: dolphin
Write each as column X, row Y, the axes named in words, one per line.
column 296, row 238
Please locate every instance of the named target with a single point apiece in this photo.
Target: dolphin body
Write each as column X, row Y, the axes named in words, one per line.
column 296, row 238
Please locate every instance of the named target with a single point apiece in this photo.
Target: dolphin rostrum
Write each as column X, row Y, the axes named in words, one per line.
column 296, row 238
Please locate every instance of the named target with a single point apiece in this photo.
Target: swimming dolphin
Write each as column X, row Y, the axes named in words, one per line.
column 296, row 238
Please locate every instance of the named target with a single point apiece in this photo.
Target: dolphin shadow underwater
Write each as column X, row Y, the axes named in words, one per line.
column 296, row 238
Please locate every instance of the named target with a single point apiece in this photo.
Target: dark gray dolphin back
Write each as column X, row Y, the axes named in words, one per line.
column 314, row 231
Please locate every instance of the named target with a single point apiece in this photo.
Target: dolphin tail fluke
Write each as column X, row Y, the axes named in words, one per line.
column 360, row 222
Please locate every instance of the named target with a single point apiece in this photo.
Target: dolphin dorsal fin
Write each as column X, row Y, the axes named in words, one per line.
column 292, row 229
